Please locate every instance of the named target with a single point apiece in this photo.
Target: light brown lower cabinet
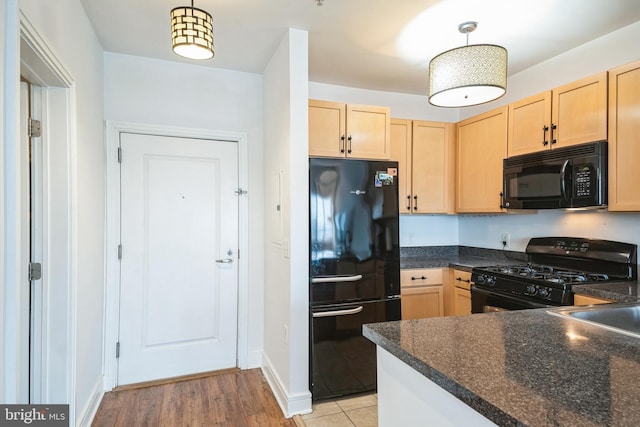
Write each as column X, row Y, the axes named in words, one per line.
column 587, row 300
column 461, row 292
column 422, row 293
column 462, row 302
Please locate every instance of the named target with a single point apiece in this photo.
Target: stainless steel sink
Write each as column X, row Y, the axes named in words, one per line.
column 621, row 317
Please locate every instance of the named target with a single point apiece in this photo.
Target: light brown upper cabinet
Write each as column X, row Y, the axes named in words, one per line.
column 572, row 114
column 355, row 131
column 401, row 152
column 425, row 152
column 624, row 131
column 482, row 145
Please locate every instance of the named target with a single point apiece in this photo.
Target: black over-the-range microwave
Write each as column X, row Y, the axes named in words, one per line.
column 568, row 177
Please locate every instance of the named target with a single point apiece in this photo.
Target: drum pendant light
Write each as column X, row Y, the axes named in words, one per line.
column 192, row 32
column 468, row 75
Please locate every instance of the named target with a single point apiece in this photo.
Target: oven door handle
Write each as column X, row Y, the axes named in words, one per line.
column 336, row 279
column 338, row 312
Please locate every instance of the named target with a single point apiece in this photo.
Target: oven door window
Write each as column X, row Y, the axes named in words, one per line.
column 485, row 301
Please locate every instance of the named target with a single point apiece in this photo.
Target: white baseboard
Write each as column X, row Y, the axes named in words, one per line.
column 291, row 405
column 89, row 411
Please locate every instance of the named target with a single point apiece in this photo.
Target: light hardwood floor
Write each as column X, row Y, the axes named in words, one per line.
column 237, row 398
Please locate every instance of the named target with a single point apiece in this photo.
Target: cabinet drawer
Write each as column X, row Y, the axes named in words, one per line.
column 420, row 277
column 462, row 279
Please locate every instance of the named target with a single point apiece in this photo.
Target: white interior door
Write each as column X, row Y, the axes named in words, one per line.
column 179, row 275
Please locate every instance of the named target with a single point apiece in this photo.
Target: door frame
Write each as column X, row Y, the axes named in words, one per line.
column 112, row 263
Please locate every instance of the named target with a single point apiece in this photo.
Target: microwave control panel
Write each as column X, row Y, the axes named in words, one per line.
column 582, row 181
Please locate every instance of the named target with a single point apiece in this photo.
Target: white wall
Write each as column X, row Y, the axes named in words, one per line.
column 81, row 55
column 607, row 52
column 149, row 91
column 3, row 36
column 286, row 325
column 485, row 231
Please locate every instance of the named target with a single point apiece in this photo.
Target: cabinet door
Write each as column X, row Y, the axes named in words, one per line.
column 529, row 125
column 368, row 132
column 482, row 145
column 587, row 300
column 422, row 301
column 624, row 147
column 462, row 301
column 432, row 157
column 579, row 110
column 401, row 153
column 326, row 129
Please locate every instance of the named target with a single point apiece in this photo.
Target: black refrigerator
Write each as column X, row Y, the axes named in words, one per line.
column 354, row 269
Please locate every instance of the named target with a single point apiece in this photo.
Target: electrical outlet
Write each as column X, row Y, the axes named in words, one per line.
column 505, row 239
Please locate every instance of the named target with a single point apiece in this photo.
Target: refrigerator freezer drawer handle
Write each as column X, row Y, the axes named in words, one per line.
column 338, row 312
column 337, row 279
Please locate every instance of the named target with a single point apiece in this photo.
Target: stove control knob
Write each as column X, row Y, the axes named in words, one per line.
column 532, row 290
column 481, row 278
column 544, row 292
column 490, row 280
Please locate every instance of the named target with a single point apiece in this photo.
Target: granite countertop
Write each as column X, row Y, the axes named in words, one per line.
column 523, row 367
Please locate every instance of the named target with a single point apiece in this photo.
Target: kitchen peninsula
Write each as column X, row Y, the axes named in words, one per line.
column 512, row 368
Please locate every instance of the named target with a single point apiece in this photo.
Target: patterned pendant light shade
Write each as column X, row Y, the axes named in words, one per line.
column 468, row 75
column 192, row 32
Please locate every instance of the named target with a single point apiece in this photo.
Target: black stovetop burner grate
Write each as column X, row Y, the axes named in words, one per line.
column 550, row 274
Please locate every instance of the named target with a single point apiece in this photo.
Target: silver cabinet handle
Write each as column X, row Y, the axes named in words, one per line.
column 336, row 279
column 338, row 312
column 225, row 261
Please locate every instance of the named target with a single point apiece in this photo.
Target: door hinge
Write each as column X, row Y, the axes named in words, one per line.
column 119, row 251
column 239, row 191
column 238, row 254
column 117, row 349
column 119, row 155
column 35, row 271
column 35, row 128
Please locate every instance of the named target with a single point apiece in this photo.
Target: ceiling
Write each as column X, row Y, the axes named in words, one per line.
column 373, row 44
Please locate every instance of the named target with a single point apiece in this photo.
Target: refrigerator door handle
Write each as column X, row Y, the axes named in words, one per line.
column 336, row 279
column 338, row 312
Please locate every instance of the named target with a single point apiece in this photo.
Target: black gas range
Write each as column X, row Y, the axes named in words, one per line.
column 554, row 265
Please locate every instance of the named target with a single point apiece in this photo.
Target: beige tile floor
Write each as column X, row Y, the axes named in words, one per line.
column 359, row 411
